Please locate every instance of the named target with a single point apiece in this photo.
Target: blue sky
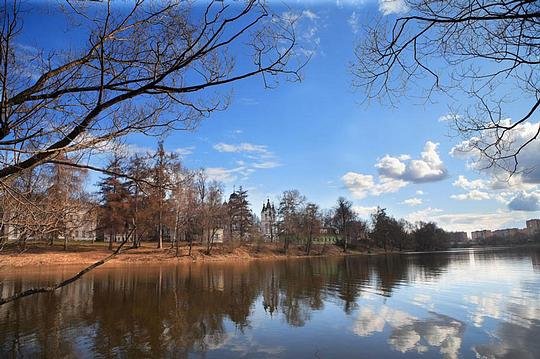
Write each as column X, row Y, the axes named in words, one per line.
column 316, row 136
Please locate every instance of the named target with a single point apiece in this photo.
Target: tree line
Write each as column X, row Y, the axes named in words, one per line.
column 153, row 197
column 165, row 201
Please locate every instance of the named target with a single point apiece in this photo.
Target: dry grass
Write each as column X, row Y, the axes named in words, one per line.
column 87, row 253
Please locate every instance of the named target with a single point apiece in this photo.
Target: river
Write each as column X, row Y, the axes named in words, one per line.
column 458, row 304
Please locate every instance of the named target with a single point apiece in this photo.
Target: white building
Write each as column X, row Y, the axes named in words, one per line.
column 79, row 226
column 484, row 234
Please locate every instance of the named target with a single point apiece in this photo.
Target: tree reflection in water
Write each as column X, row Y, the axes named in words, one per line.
column 203, row 308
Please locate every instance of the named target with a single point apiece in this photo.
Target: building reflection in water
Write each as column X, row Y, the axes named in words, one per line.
column 262, row 308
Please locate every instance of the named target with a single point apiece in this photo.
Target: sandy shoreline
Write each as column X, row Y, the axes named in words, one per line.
column 86, row 254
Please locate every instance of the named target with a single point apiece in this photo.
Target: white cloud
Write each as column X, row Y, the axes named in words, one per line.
column 473, row 195
column 469, row 222
column 353, row 22
column 420, row 192
column 184, row 151
column 398, row 172
column 388, row 7
column 242, row 147
column 221, row 174
column 310, row 14
column 415, row 201
column 464, row 183
column 228, row 175
column 254, row 157
column 529, row 161
column 449, row 117
column 525, row 202
column 423, row 215
column 519, row 191
column 364, row 211
column 428, row 168
column 362, row 185
column 266, row 164
column 391, row 166
column 306, row 23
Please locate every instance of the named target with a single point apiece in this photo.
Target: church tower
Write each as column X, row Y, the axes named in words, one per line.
column 268, row 221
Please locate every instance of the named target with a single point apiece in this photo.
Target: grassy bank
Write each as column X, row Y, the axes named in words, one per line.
column 82, row 253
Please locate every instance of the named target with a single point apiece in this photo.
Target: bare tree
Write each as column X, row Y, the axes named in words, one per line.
column 343, row 219
column 66, row 202
column 210, row 209
column 483, row 54
column 143, row 67
column 289, row 219
column 139, row 171
column 184, row 204
column 311, row 224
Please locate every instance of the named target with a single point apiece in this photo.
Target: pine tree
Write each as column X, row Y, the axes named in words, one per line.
column 240, row 216
column 115, row 200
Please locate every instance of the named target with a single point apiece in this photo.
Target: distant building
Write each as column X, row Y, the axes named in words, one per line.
column 533, row 226
column 217, row 237
column 329, row 230
column 505, row 233
column 268, row 221
column 79, row 226
column 458, row 236
column 479, row 235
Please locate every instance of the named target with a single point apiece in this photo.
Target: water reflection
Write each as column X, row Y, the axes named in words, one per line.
column 455, row 304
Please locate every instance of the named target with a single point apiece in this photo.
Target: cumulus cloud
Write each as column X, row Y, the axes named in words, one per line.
column 529, row 161
column 428, row 168
column 397, row 172
column 519, row 191
column 525, row 202
column 391, row 166
column 388, row 7
column 415, row 201
column 464, row 183
column 362, row 185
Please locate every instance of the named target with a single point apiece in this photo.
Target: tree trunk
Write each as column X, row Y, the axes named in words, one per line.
column 177, row 246
column 190, row 245
column 111, row 241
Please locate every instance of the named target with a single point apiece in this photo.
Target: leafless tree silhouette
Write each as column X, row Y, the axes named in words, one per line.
column 145, row 67
column 484, row 54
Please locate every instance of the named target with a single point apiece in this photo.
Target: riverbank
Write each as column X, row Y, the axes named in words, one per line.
column 88, row 253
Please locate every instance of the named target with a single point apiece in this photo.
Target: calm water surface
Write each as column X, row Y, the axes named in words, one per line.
column 471, row 303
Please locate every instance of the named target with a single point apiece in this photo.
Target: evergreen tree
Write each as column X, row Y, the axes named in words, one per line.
column 240, row 216
column 115, row 198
